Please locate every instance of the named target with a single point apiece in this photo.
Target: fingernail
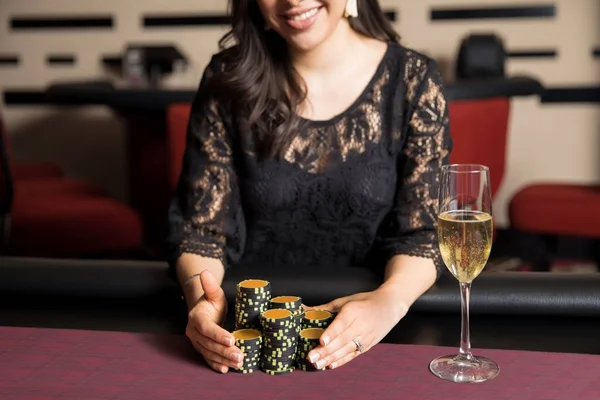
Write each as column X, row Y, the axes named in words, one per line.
column 237, row 357
column 325, row 340
column 313, row 357
column 333, row 365
column 320, row 364
column 223, row 369
column 228, row 341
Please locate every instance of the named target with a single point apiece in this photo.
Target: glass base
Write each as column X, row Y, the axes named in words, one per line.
column 460, row 369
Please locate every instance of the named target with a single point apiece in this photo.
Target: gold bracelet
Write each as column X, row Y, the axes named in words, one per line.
column 188, row 280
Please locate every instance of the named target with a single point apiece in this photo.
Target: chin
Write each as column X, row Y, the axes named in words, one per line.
column 305, row 44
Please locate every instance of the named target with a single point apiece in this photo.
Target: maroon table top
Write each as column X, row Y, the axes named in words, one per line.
column 52, row 364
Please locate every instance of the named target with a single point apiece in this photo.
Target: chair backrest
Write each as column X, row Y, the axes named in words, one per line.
column 479, row 130
column 178, row 115
column 481, row 56
column 6, row 188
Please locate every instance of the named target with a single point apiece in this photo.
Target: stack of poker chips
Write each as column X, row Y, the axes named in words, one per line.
column 249, row 341
column 307, row 340
column 280, row 341
column 317, row 319
column 252, row 299
column 292, row 303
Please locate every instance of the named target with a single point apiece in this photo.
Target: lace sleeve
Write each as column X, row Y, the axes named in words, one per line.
column 426, row 148
column 205, row 215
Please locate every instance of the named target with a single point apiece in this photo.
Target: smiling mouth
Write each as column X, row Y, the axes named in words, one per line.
column 304, row 15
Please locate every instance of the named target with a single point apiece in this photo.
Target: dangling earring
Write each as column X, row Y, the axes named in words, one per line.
column 351, row 9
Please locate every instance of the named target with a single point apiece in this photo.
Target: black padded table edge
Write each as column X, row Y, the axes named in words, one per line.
column 509, row 293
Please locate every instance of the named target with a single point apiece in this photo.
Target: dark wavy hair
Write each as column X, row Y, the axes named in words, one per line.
column 259, row 80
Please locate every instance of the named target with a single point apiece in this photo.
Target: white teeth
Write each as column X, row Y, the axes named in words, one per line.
column 305, row 16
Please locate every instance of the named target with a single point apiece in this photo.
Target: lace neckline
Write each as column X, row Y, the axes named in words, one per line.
column 358, row 100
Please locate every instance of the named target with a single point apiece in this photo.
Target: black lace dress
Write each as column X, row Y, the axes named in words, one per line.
column 354, row 190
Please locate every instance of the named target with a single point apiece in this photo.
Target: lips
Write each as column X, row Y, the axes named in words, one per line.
column 304, row 15
column 302, row 19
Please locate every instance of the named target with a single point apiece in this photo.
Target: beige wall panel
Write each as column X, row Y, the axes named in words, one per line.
column 33, row 7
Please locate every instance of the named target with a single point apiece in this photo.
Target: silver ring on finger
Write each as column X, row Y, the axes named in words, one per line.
column 359, row 346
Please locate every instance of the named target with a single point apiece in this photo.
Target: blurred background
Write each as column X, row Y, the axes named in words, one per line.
column 94, row 98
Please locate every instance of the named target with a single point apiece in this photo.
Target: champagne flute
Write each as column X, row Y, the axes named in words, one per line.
column 465, row 238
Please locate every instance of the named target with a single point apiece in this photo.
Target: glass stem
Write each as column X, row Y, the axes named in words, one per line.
column 465, row 331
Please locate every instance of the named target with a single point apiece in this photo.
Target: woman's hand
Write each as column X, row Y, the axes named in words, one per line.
column 204, row 330
column 367, row 317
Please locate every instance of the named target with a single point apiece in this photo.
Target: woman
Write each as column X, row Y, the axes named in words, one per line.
column 315, row 140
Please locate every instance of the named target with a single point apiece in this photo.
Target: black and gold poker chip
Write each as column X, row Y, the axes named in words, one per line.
column 317, row 319
column 286, row 302
column 292, row 303
column 250, row 342
column 280, row 341
column 252, row 298
column 307, row 340
column 279, row 371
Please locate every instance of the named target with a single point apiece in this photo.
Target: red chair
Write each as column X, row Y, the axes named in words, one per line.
column 38, row 170
column 551, row 210
column 479, row 130
column 59, row 217
column 178, row 115
column 31, row 170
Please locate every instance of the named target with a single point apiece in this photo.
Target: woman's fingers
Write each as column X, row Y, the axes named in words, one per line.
column 216, row 344
column 212, row 364
column 215, row 333
column 344, row 360
column 231, row 353
column 208, row 328
column 339, row 357
column 336, row 336
column 219, row 359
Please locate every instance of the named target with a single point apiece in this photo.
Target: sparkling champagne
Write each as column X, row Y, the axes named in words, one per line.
column 465, row 242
